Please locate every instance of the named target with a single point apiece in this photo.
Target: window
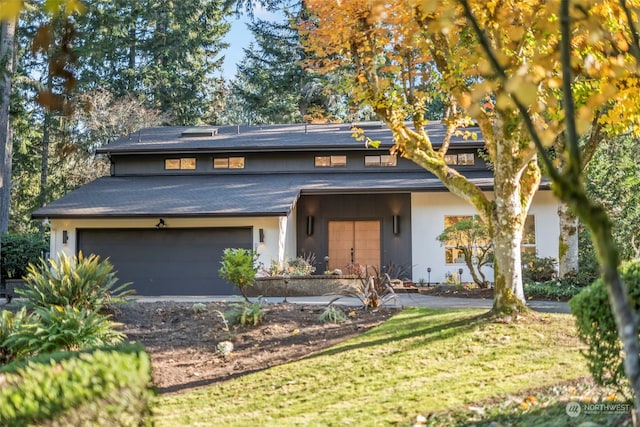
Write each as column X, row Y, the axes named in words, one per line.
column 383, row 160
column 330, row 161
column 228, row 163
column 187, row 163
column 529, row 235
column 462, row 159
column 453, row 255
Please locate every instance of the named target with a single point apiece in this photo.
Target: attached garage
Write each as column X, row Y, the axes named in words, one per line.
column 168, row 261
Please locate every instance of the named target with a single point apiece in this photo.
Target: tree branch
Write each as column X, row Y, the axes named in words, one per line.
column 500, row 71
column 635, row 35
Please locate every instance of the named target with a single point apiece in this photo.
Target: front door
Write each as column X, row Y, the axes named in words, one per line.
column 354, row 246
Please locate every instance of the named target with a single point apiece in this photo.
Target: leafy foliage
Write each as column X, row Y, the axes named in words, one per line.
column 597, row 327
column 58, row 328
column 10, row 323
column 536, row 269
column 471, row 237
column 557, row 290
column 372, row 290
column 245, row 314
column 299, row 266
column 78, row 282
column 18, row 251
column 239, row 267
column 332, row 314
column 613, row 178
column 108, row 386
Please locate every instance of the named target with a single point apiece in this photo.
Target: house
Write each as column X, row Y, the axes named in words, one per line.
column 177, row 196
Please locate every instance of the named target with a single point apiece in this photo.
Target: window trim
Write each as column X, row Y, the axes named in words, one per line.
column 330, row 161
column 226, row 162
column 380, row 160
column 460, row 159
column 183, row 163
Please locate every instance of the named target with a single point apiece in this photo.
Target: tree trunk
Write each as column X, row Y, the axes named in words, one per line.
column 514, row 187
column 508, row 292
column 7, row 66
column 568, row 250
column 44, row 167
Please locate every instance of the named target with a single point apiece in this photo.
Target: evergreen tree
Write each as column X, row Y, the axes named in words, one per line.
column 273, row 83
column 164, row 52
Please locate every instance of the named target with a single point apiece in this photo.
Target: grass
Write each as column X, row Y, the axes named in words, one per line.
column 456, row 365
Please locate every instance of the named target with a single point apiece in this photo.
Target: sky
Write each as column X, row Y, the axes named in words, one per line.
column 238, row 38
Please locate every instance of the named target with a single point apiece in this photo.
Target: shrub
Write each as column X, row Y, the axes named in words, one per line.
column 553, row 289
column 18, row 251
column 245, row 314
column 59, row 328
column 79, row 282
column 371, row 290
column 239, row 267
column 536, row 269
column 332, row 314
column 301, row 266
column 10, row 323
column 107, row 386
column 597, row 328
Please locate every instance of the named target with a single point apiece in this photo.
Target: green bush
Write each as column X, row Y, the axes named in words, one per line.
column 245, row 314
column 597, row 328
column 10, row 323
column 109, row 386
column 557, row 290
column 535, row 269
column 58, row 328
column 79, row 282
column 239, row 266
column 18, row 251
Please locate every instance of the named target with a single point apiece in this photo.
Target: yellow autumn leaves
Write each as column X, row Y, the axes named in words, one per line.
column 10, row 9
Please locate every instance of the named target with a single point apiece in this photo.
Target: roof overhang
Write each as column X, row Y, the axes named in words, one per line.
column 241, row 195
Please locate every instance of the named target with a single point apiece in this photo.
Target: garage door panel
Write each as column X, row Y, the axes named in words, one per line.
column 167, row 261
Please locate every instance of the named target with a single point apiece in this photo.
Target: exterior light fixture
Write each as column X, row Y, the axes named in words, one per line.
column 309, row 225
column 65, row 237
column 161, row 224
column 396, row 224
column 261, row 235
column 429, row 276
column 460, row 271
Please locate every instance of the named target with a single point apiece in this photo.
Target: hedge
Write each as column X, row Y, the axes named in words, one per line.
column 107, row 386
column 597, row 328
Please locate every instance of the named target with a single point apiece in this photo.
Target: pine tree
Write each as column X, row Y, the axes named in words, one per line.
column 165, row 52
column 273, row 82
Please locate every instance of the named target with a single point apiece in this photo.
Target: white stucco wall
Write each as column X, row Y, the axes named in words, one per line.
column 428, row 211
column 279, row 232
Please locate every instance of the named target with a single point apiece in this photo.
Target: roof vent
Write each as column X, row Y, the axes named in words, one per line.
column 199, row 132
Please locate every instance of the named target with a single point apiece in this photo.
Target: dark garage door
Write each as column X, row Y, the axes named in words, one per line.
column 167, row 261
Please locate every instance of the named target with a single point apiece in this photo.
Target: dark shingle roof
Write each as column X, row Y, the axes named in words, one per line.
column 228, row 195
column 264, row 138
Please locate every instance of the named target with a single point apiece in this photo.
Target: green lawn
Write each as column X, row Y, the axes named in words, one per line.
column 421, row 361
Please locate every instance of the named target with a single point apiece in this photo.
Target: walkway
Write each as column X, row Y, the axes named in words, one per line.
column 403, row 300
